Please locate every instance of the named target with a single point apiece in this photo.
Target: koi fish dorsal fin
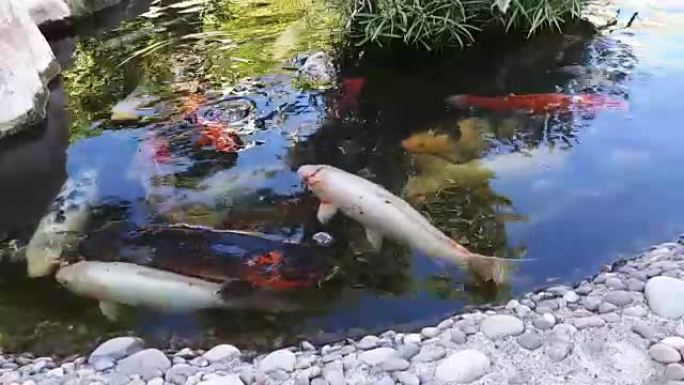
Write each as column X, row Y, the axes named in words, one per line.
column 325, row 212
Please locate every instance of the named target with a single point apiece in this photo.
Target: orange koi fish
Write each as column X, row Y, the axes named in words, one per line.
column 538, row 103
column 221, row 137
column 192, row 103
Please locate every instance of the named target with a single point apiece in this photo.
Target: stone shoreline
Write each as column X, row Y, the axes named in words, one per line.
column 621, row 327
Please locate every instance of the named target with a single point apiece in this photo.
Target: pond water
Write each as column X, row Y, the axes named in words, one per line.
column 569, row 190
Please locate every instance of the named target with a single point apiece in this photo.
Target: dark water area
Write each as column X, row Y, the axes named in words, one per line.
column 570, row 191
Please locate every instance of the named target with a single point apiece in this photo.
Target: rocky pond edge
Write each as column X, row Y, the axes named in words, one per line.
column 623, row 326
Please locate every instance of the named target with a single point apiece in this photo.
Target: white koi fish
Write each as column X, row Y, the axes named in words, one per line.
column 67, row 217
column 385, row 215
column 116, row 283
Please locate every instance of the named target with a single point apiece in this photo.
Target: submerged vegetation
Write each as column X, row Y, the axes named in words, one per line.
column 431, row 24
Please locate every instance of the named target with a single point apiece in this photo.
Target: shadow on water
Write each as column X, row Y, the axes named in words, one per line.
column 547, row 186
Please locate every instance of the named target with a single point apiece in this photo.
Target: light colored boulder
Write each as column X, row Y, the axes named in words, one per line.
column 27, row 64
column 47, row 11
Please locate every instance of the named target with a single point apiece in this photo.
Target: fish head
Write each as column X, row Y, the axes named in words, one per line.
column 71, row 277
column 313, row 176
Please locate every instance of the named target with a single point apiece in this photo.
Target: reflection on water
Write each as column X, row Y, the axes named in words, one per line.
column 568, row 188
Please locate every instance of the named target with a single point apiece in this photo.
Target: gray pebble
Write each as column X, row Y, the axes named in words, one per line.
column 279, row 359
column 679, row 330
column 664, row 354
column 368, row 342
column 626, row 269
column 319, row 381
column 407, row 378
column 185, row 353
column 606, row 307
column 634, row 284
column 149, row 363
column 446, row 324
column 501, row 326
column 557, row 349
column 588, row 322
column 334, row 377
column 336, row 356
column 279, row 375
column 385, row 380
column 199, row 362
column 305, row 360
column 652, row 272
column 615, row 283
column 611, row 317
column 674, row 372
column 563, row 332
column 394, row 364
column 457, row 336
column 103, row 364
column 376, row 356
column 307, row 347
column 178, row 374
column 549, row 303
column 571, row 297
column 584, row 288
column 591, row 303
column 350, row 361
column 619, row 298
column 347, row 349
column 430, row 353
column 528, row 302
column 643, row 330
column 543, row 323
column 247, row 375
column 529, row 340
column 635, row 311
column 520, row 378
column 301, row 379
column 430, row 332
column 467, row 326
column 408, row 351
column 601, row 278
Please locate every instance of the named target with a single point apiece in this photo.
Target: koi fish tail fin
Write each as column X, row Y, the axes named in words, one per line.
column 457, row 100
column 490, row 268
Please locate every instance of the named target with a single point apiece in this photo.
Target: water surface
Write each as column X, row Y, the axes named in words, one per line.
column 570, row 191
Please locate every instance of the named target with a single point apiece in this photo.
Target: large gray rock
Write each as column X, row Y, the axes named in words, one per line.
column 55, row 11
column 664, row 354
column 27, row 64
column 148, row 363
column 222, row 352
column 500, row 326
column 47, row 11
column 664, row 296
column 280, row 359
column 115, row 349
column 376, row 356
column 462, row 367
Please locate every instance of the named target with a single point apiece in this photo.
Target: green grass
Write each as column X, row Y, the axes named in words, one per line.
column 431, row 24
